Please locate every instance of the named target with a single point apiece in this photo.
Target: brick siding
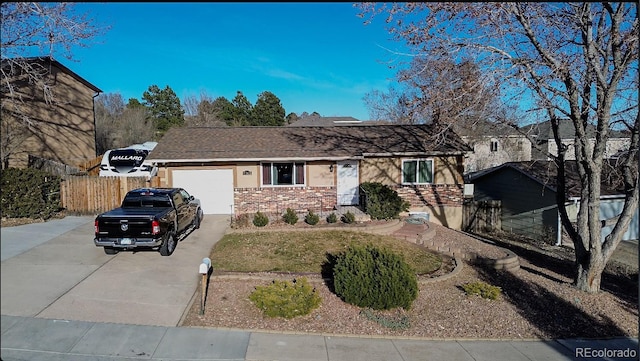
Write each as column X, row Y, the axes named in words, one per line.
column 276, row 200
column 447, row 195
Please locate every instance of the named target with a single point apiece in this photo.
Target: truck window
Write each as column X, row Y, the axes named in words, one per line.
column 185, row 195
column 146, row 201
column 177, row 199
column 130, row 203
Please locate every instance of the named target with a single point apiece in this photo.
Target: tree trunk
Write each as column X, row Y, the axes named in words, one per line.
column 589, row 275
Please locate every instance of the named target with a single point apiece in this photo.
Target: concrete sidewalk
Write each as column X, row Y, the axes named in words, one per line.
column 38, row 339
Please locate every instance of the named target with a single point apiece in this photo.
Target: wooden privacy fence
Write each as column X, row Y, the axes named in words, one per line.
column 92, row 167
column 481, row 216
column 92, row 195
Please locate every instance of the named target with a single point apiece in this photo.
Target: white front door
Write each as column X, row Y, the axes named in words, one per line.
column 348, row 182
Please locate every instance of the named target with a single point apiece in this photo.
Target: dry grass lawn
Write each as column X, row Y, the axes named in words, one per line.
column 306, row 252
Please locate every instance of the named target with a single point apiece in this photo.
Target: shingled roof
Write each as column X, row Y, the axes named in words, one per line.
column 566, row 130
column 202, row 144
column 8, row 64
column 314, row 120
column 545, row 173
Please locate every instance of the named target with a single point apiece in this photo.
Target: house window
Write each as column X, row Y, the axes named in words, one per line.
column 494, row 145
column 417, row 171
column 279, row 174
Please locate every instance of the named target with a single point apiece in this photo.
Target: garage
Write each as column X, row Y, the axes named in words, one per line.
column 214, row 188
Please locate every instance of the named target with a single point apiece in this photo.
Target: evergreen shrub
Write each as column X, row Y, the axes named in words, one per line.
column 348, row 217
column 290, row 216
column 29, row 193
column 312, row 218
column 382, row 202
column 369, row 277
column 482, row 289
column 286, row 299
column 260, row 219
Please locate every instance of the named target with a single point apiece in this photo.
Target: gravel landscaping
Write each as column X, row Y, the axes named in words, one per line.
column 537, row 301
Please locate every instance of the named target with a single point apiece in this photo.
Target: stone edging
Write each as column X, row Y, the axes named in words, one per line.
column 455, row 271
column 510, row 262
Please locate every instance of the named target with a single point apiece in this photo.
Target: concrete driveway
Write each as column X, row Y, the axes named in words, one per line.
column 67, row 277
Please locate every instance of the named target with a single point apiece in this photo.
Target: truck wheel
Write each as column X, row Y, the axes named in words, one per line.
column 110, row 250
column 169, row 244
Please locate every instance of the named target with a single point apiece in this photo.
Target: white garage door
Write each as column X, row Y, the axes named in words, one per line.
column 213, row 187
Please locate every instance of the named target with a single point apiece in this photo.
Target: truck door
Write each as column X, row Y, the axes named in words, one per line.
column 193, row 205
column 182, row 211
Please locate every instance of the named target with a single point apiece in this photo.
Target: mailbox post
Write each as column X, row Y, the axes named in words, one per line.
column 204, row 272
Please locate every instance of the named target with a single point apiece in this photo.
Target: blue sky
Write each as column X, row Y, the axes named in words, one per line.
column 312, row 56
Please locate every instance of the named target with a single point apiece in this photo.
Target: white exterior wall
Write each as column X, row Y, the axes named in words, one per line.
column 609, row 208
column 510, row 149
column 614, row 145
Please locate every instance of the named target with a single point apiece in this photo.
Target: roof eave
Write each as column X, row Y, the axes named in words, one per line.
column 228, row 160
column 413, row 154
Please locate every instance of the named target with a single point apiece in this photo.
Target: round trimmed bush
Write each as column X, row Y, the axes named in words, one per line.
column 369, row 277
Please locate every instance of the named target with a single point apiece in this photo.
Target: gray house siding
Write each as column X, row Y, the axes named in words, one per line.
column 528, row 208
column 517, row 192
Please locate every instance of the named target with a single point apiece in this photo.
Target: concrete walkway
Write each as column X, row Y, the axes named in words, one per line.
column 44, row 338
column 39, row 339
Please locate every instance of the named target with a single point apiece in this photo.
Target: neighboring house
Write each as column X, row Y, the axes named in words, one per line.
column 53, row 121
column 237, row 170
column 493, row 144
column 543, row 135
column 527, row 191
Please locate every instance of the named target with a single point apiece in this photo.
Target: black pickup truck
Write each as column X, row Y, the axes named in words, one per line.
column 152, row 218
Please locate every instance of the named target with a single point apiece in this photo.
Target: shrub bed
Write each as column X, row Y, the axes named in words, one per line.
column 286, row 299
column 29, row 193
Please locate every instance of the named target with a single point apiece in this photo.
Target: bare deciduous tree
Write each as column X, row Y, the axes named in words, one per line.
column 576, row 61
column 118, row 125
column 438, row 89
column 203, row 110
column 135, row 127
column 391, row 106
